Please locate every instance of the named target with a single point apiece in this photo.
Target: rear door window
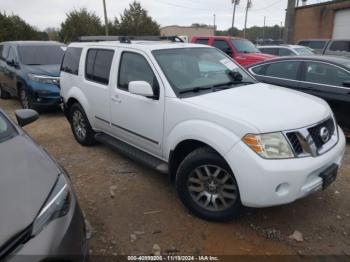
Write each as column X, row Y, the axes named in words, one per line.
column 202, row 41
column 285, row 52
column 286, row 70
column 222, row 45
column 98, row 65
column 70, row 63
column 317, row 44
column 270, row 51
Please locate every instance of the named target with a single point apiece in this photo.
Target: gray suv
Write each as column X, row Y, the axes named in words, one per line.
column 40, row 216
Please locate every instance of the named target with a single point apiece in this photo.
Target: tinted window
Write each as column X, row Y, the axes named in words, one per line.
column 270, row 51
column 6, row 129
column 317, row 44
column 98, row 65
column 284, row 52
column 134, row 67
column 245, row 46
column 340, row 46
column 304, row 43
column 1, row 50
column 287, row 70
column 325, row 74
column 259, row 70
column 71, row 60
column 222, row 45
column 202, row 41
column 41, row 54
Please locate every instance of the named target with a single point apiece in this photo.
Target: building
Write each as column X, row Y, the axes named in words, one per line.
column 325, row 20
column 188, row 31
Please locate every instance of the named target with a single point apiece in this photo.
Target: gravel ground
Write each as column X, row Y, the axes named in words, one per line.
column 131, row 208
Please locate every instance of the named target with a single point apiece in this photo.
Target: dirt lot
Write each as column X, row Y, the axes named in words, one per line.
column 146, row 211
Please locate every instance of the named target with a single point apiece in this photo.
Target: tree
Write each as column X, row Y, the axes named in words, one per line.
column 79, row 23
column 14, row 28
column 135, row 21
column 52, row 33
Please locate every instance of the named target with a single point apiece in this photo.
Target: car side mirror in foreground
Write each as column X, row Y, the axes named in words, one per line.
column 141, row 88
column 346, row 83
column 26, row 116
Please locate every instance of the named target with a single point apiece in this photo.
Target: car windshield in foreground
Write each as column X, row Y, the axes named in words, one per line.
column 245, row 46
column 198, row 69
column 304, row 51
column 41, row 54
column 6, row 129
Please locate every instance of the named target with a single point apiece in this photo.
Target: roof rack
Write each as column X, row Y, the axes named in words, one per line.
column 127, row 39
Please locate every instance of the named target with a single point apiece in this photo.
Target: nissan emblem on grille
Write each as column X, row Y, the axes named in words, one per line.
column 324, row 134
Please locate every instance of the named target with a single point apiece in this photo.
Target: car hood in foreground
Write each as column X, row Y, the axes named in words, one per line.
column 46, row 70
column 27, row 176
column 267, row 108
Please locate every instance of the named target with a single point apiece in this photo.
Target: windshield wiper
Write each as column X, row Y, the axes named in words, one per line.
column 195, row 89
column 232, row 83
column 33, row 64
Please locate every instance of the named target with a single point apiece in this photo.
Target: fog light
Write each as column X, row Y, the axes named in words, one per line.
column 38, row 99
column 282, row 189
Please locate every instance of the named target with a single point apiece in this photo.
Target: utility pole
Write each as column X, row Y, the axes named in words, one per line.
column 235, row 3
column 289, row 23
column 249, row 5
column 106, row 19
column 263, row 34
column 214, row 23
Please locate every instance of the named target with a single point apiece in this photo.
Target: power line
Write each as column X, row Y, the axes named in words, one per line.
column 182, row 6
column 268, row 6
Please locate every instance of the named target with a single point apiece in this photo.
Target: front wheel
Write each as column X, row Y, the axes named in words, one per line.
column 207, row 187
column 80, row 125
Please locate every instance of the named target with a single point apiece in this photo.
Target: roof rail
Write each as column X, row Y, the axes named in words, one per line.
column 127, row 39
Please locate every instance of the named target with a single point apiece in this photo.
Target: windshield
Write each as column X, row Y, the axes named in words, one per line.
column 187, row 68
column 6, row 129
column 304, row 51
column 245, row 46
column 41, row 54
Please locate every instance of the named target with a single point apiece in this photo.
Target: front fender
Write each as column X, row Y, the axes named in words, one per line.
column 215, row 136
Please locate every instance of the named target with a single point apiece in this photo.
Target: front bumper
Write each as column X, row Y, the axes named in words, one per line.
column 64, row 239
column 264, row 183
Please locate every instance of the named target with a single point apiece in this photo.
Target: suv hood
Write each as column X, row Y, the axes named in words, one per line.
column 27, row 176
column 267, row 108
column 47, row 70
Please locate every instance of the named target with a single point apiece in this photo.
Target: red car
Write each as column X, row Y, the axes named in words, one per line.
column 241, row 50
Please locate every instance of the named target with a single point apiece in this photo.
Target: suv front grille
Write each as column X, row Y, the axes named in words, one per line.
column 314, row 140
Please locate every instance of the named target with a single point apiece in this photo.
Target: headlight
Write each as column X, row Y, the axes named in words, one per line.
column 44, row 79
column 57, row 205
column 272, row 145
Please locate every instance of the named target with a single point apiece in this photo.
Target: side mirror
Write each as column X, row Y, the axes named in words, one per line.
column 26, row 116
column 346, row 83
column 12, row 63
column 141, row 88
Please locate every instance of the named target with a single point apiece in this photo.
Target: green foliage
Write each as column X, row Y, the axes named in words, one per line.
column 80, row 23
column 13, row 28
column 135, row 21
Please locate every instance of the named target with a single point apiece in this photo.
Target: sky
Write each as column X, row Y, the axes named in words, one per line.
column 50, row 13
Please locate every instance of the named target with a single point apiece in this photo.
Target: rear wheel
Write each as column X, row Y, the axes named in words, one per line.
column 4, row 94
column 80, row 125
column 206, row 186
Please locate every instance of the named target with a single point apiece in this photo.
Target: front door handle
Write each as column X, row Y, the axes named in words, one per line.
column 116, row 99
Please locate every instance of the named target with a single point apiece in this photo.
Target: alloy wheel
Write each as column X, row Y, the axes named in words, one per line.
column 212, row 188
column 79, row 124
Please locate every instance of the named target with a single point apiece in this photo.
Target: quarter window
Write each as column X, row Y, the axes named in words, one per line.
column 287, row 70
column 98, row 65
column 71, row 60
column 325, row 74
column 134, row 67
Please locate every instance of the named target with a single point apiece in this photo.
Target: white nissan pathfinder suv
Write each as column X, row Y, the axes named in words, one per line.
column 190, row 111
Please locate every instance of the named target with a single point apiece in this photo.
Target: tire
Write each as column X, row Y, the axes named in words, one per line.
column 4, row 94
column 207, row 187
column 24, row 99
column 80, row 125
